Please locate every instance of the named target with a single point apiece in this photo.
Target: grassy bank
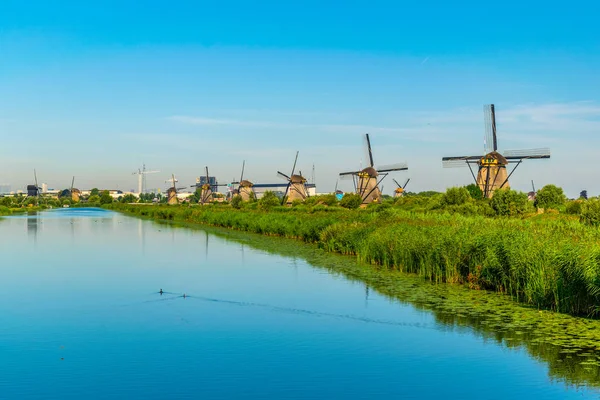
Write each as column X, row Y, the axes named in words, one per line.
column 546, row 262
column 5, row 211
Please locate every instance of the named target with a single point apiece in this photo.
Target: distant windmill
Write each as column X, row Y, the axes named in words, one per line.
column 141, row 173
column 34, row 190
column 532, row 195
column 492, row 174
column 172, row 191
column 367, row 180
column 244, row 188
column 72, row 192
column 399, row 192
column 207, row 189
column 296, row 187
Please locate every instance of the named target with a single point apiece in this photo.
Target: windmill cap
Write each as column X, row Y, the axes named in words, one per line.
column 496, row 156
column 297, row 179
column 372, row 172
column 246, row 183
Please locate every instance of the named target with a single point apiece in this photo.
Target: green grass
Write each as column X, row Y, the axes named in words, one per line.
column 546, row 262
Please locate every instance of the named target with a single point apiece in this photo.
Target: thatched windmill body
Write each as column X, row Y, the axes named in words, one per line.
column 244, row 188
column 492, row 171
column 367, row 180
column 172, row 191
column 296, row 187
column 206, row 189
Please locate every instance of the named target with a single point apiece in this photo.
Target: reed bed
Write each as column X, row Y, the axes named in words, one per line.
column 546, row 263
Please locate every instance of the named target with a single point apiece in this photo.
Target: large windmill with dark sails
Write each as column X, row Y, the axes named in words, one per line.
column 367, row 180
column 296, row 187
column 492, row 171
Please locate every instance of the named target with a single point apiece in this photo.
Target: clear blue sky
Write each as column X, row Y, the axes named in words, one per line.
column 93, row 89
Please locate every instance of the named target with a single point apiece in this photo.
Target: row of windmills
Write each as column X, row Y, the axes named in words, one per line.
column 492, row 173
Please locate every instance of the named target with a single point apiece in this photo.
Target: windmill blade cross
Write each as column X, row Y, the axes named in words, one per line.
column 281, row 174
column 527, row 154
column 396, row 182
column 242, row 176
column 490, row 142
column 295, row 161
column 287, row 188
column 369, row 151
column 393, row 167
column 406, row 183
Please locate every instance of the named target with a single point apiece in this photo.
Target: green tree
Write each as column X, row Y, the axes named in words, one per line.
column 590, row 212
column 507, row 202
column 455, row 196
column 237, row 202
column 268, row 200
column 94, row 199
column 475, row 191
column 129, row 198
column 351, row 201
column 550, row 196
column 105, row 197
column 95, row 192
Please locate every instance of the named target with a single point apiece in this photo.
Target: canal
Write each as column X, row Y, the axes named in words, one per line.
column 82, row 316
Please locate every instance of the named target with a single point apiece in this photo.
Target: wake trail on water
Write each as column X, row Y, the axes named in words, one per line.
column 290, row 310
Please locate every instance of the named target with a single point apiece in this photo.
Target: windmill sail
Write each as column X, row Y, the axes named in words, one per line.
column 490, row 139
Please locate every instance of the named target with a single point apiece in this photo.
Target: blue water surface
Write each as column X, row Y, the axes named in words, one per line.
column 81, row 318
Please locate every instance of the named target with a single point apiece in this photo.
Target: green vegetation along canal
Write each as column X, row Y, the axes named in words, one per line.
column 261, row 318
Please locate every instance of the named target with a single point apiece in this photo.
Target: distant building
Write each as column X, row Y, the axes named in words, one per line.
column 212, row 181
column 5, row 188
column 44, row 188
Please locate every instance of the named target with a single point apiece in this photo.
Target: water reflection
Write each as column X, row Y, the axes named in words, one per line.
column 278, row 318
column 33, row 221
column 569, row 346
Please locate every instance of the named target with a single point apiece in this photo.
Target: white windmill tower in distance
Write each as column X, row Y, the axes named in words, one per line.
column 141, row 173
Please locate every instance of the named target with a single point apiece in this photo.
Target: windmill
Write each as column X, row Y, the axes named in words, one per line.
column 72, row 192
column 34, row 190
column 399, row 192
column 532, row 195
column 492, row 174
column 141, row 173
column 244, row 188
column 296, row 187
column 207, row 189
column 367, row 180
column 172, row 191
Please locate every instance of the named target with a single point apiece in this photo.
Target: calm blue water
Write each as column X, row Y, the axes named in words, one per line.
column 80, row 318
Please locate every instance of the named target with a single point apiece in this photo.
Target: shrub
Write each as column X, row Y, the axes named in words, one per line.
column 550, row 196
column 590, row 212
column 507, row 202
column 268, row 200
column 574, row 207
column 128, row 198
column 94, row 199
column 351, row 201
column 105, row 197
column 475, row 191
column 456, row 196
column 236, row 202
